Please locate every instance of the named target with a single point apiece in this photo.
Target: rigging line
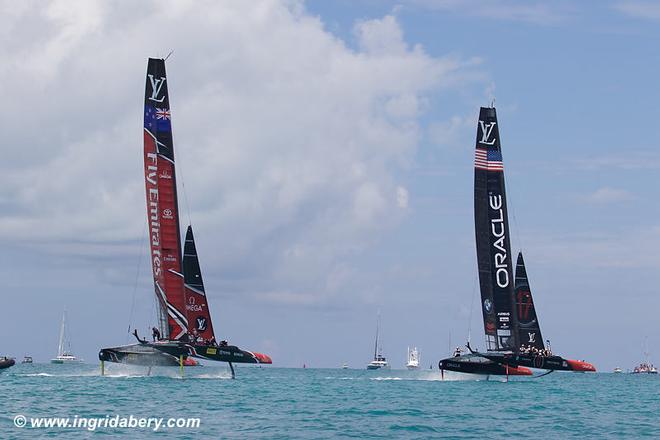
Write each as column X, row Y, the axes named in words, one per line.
column 473, row 296
column 137, row 277
column 515, row 221
column 183, row 184
column 517, row 228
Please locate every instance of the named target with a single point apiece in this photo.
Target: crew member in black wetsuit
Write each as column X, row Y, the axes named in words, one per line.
column 155, row 334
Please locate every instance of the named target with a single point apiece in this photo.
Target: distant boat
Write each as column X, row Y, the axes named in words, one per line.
column 344, row 366
column 618, row 370
column 27, row 360
column 64, row 355
column 413, row 359
column 379, row 361
column 645, row 367
column 6, row 362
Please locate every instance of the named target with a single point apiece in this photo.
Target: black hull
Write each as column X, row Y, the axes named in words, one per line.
column 475, row 363
column 169, row 353
column 229, row 353
column 555, row 363
column 166, row 355
column 6, row 363
column 472, row 364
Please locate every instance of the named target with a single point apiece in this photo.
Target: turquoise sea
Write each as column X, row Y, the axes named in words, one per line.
column 328, row 403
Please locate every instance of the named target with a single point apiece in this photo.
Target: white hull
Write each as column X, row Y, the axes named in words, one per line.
column 413, row 359
column 64, row 356
column 66, row 360
column 378, row 365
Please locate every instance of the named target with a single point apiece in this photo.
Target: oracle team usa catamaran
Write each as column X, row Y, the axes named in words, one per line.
column 513, row 336
column 184, row 328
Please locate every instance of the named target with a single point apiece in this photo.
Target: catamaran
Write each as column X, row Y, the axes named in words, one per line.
column 413, row 359
column 379, row 362
column 645, row 367
column 184, row 328
column 513, row 336
column 64, row 355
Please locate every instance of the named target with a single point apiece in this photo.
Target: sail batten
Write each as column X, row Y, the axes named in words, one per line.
column 496, row 278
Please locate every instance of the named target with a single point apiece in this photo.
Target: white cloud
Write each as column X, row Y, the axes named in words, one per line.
column 402, row 197
column 628, row 247
column 288, row 140
column 639, row 9
column 457, row 132
column 630, row 160
column 535, row 12
column 609, row 195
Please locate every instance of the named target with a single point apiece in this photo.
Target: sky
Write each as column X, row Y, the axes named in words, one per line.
column 325, row 159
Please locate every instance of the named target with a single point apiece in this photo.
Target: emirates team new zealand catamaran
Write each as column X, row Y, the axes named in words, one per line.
column 513, row 336
column 184, row 320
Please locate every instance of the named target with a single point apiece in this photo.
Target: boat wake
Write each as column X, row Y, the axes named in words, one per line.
column 133, row 371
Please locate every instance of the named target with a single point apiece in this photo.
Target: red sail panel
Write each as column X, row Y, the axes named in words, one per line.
column 162, row 209
column 197, row 309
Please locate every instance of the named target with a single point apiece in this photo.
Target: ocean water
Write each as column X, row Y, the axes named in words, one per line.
column 327, row 403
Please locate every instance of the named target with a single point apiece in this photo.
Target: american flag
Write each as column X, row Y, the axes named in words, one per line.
column 490, row 160
column 162, row 113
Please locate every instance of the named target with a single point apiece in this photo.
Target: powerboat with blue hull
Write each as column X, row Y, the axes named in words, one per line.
column 184, row 330
column 514, row 343
column 6, row 362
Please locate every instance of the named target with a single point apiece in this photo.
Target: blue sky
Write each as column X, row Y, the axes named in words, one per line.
column 326, row 150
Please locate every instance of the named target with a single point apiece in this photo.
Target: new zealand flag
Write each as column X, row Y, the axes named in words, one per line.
column 157, row 119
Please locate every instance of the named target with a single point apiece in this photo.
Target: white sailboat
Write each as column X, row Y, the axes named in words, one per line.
column 64, row 355
column 379, row 361
column 646, row 367
column 413, row 359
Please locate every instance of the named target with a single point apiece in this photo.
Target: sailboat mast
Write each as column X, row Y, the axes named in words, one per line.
column 496, row 278
column 162, row 204
column 376, row 343
column 60, row 346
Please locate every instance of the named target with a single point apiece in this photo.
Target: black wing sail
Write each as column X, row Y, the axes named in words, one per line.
column 529, row 330
column 492, row 236
column 199, row 315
